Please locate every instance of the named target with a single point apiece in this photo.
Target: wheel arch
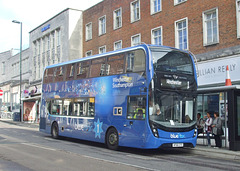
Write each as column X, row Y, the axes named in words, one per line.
column 110, row 127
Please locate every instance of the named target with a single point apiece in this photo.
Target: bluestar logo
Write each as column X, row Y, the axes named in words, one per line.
column 177, row 135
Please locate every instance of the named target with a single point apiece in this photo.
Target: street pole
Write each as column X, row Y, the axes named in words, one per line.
column 20, row 68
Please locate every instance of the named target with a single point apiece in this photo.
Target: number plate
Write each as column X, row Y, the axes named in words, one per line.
column 177, row 145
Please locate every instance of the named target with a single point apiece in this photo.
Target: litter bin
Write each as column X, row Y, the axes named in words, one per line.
column 16, row 116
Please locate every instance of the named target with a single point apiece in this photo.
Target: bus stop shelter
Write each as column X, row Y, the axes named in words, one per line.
column 226, row 101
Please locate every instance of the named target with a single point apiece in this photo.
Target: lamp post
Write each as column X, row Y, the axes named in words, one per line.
column 20, row 66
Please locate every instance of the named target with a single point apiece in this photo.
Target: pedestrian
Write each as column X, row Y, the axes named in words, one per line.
column 217, row 130
column 200, row 123
column 208, row 128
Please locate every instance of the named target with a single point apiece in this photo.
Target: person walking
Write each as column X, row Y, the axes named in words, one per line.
column 208, row 128
column 217, row 130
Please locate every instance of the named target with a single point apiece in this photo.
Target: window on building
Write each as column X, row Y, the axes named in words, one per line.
column 117, row 16
column 48, row 42
column 102, row 49
column 43, row 44
column 53, row 39
column 157, row 36
column 118, row 45
column 136, row 40
column 102, row 25
column 210, row 27
column 135, row 10
column 3, row 68
column 181, row 33
column 58, row 37
column 176, row 2
column 238, row 18
column 88, row 31
column 89, row 53
column 156, row 6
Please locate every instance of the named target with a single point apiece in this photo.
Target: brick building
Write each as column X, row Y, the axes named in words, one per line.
column 210, row 28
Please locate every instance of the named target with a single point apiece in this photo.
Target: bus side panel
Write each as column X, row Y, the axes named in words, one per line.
column 109, row 92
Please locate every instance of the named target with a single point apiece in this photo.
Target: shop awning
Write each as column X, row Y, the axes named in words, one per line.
column 34, row 98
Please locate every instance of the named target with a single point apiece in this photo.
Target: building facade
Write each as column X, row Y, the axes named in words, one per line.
column 10, row 78
column 209, row 29
column 57, row 40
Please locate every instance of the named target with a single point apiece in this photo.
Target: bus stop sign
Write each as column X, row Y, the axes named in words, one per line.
column 1, row 92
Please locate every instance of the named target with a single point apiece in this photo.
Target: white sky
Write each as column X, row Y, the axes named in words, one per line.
column 32, row 14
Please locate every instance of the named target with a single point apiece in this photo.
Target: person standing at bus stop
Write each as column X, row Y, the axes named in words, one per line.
column 208, row 128
column 200, row 123
column 217, row 125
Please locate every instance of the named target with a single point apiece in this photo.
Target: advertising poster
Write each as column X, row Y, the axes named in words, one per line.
column 28, row 111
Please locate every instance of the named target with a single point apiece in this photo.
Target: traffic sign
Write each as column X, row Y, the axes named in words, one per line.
column 1, row 92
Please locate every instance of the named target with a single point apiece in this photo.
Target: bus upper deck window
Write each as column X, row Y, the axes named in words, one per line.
column 115, row 64
column 135, row 61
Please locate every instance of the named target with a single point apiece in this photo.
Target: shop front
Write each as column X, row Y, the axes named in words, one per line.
column 226, row 101
column 31, row 109
column 214, row 95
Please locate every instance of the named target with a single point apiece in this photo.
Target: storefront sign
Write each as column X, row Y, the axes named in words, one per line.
column 214, row 71
column 45, row 28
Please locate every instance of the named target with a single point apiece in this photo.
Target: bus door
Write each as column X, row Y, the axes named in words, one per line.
column 135, row 125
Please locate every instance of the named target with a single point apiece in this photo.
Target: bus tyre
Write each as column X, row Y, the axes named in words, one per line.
column 112, row 139
column 55, row 130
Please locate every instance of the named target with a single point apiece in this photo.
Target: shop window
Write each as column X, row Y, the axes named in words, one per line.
column 136, row 107
column 238, row 115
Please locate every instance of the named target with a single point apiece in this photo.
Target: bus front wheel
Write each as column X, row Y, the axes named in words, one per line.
column 112, row 139
column 55, row 133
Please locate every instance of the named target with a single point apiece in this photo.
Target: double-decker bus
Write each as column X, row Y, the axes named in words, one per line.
column 141, row 97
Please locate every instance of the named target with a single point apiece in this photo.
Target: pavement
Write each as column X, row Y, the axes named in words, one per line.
column 200, row 149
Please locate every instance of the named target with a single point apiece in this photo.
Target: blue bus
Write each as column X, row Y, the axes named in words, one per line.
column 141, row 97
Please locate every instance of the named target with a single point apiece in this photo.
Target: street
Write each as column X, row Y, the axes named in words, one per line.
column 24, row 148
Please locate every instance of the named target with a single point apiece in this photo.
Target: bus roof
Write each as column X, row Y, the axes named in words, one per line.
column 142, row 46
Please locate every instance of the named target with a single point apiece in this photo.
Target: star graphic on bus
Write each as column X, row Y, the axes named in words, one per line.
column 98, row 129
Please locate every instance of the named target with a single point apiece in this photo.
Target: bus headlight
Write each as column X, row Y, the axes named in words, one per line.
column 195, row 133
column 155, row 131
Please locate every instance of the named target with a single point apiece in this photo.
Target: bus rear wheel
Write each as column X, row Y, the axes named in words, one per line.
column 112, row 139
column 55, row 130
